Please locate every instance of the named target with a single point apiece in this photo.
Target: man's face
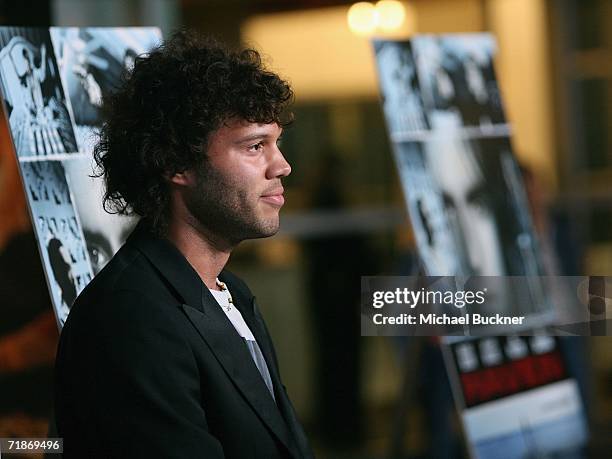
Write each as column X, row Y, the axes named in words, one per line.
column 104, row 233
column 237, row 193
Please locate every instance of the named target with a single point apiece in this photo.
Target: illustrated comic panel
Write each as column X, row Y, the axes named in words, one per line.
column 58, row 230
column 457, row 79
column 400, row 92
column 92, row 63
column 439, row 250
column 37, row 110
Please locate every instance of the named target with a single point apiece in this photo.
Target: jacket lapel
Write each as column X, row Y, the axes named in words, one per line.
column 216, row 330
column 248, row 308
column 232, row 353
column 263, row 338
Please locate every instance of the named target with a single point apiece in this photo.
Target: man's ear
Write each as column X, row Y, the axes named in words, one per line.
column 184, row 178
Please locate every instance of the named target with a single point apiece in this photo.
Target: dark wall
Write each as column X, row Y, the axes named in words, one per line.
column 25, row 12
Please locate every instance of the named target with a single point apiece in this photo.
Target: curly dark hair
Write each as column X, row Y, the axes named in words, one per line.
column 158, row 121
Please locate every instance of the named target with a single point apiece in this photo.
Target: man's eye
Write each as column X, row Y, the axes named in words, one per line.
column 98, row 257
column 257, row 147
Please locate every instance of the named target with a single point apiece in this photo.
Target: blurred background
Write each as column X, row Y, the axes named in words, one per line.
column 345, row 216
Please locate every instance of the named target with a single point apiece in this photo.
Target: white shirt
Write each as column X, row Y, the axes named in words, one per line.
column 233, row 314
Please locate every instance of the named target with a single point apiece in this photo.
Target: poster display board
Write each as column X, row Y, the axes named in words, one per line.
column 52, row 82
column 470, row 215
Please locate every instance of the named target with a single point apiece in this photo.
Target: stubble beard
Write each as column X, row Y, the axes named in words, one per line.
column 225, row 210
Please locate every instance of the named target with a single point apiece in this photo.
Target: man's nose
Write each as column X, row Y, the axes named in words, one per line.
column 279, row 167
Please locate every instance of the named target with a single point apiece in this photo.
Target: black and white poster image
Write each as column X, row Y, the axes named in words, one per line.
column 458, row 79
column 486, row 206
column 32, row 91
column 400, row 92
column 484, row 200
column 441, row 252
column 104, row 233
column 58, row 231
column 509, row 206
column 92, row 62
column 462, row 180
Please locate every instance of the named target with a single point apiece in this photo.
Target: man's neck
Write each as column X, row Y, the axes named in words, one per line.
column 206, row 253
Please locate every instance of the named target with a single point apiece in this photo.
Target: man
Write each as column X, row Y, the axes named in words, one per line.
column 165, row 354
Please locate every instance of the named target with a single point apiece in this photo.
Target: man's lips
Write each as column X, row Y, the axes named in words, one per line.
column 274, row 197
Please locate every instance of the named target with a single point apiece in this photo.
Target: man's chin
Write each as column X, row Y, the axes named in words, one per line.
column 264, row 228
column 269, row 227
column 269, row 231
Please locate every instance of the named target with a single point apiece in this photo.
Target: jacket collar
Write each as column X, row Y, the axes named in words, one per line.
column 170, row 263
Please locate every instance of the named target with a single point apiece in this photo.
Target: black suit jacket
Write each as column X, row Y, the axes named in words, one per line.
column 148, row 365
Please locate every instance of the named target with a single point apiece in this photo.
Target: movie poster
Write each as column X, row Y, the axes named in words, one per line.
column 470, row 215
column 53, row 83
